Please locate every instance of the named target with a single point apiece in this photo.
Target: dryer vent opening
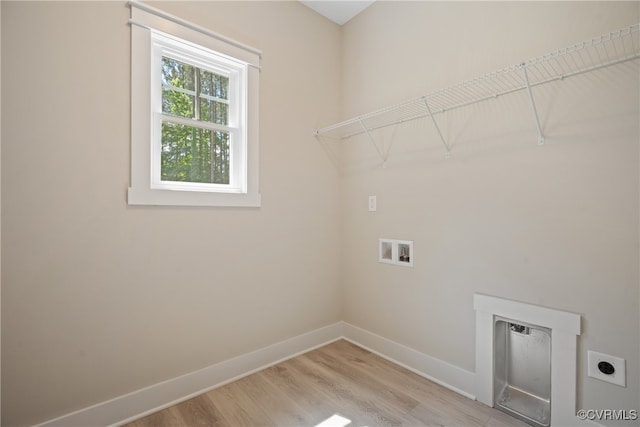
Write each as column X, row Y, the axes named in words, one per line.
column 522, row 371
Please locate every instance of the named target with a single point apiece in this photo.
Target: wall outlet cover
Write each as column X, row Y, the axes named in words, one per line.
column 606, row 368
column 373, row 203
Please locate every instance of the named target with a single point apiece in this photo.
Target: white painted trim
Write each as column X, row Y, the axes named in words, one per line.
column 447, row 375
column 528, row 313
column 141, row 191
column 161, row 19
column 131, row 406
column 564, row 327
column 137, row 404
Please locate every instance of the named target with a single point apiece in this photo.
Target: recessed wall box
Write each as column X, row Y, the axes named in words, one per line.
column 405, row 253
column 398, row 252
column 386, row 252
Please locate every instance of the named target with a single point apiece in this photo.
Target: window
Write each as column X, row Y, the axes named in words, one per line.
column 193, row 115
column 198, row 107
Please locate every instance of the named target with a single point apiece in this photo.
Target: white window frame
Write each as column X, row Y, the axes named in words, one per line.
column 164, row 45
column 155, row 34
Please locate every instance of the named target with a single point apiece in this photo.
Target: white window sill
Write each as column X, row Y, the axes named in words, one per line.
column 147, row 196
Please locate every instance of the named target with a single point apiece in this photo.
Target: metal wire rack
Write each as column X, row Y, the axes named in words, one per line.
column 599, row 52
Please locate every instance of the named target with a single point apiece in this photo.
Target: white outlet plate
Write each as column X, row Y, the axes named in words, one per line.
column 619, row 377
column 373, row 204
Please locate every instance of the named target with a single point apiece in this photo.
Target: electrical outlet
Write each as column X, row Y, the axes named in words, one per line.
column 373, row 204
column 606, row 368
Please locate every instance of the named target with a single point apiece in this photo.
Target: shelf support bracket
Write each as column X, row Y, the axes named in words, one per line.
column 533, row 105
column 435, row 123
column 382, row 156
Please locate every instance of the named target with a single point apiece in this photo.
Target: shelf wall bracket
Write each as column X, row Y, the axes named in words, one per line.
column 435, row 123
column 380, row 154
column 533, row 104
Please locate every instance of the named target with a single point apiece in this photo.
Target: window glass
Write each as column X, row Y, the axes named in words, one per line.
column 214, row 112
column 192, row 154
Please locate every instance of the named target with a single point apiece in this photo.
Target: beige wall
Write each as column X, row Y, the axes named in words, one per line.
column 100, row 298
column 555, row 225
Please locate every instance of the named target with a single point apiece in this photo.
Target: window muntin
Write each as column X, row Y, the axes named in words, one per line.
column 188, row 91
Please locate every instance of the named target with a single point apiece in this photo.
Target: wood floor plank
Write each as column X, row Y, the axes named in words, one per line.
column 336, row 398
column 420, row 400
column 200, row 411
column 344, row 396
column 500, row 419
column 281, row 409
column 167, row 418
column 298, row 388
column 340, row 378
column 435, row 398
column 353, row 369
column 237, row 407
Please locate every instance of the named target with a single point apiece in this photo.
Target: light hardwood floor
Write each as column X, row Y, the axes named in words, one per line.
column 339, row 378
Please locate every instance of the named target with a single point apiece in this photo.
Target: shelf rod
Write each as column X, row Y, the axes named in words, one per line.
column 473, row 101
column 382, row 157
column 435, row 123
column 533, row 105
column 574, row 60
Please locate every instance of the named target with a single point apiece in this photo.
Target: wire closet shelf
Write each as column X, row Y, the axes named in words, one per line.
column 590, row 55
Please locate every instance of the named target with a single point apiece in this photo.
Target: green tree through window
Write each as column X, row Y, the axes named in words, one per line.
column 193, row 153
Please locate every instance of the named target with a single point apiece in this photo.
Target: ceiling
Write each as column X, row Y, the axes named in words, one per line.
column 339, row 11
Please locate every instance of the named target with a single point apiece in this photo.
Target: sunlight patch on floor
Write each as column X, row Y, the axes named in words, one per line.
column 334, row 421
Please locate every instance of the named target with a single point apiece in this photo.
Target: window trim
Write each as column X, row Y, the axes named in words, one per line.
column 145, row 20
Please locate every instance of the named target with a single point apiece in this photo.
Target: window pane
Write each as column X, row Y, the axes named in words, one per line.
column 178, row 103
column 178, row 74
column 214, row 84
column 191, row 154
column 220, row 158
column 215, row 112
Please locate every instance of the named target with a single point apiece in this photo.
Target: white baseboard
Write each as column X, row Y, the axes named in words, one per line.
column 447, row 375
column 131, row 406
